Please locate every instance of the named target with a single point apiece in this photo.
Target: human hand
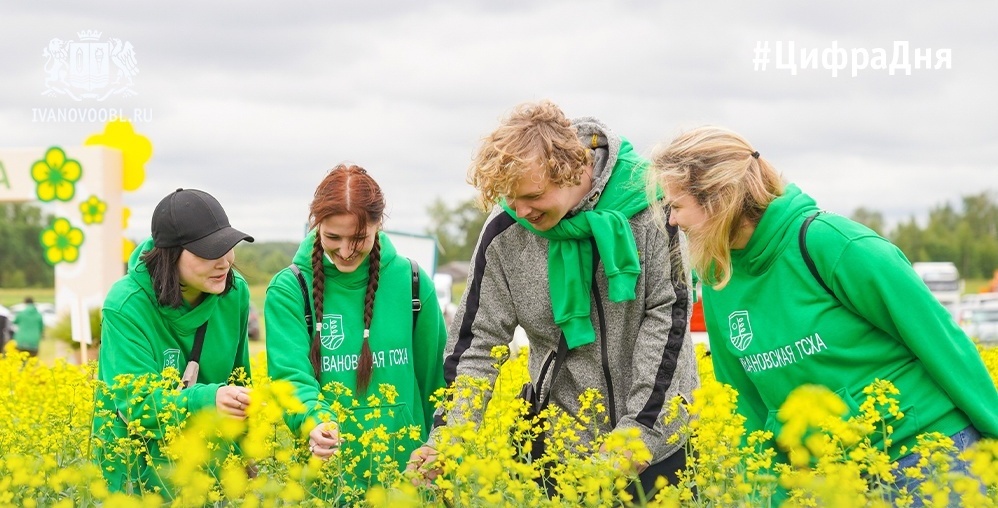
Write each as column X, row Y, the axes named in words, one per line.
column 422, row 462
column 629, row 464
column 232, row 400
column 324, row 440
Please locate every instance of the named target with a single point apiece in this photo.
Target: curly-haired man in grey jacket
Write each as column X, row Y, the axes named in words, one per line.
column 574, row 254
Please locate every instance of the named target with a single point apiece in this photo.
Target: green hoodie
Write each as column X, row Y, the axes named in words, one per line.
column 411, row 362
column 773, row 328
column 29, row 328
column 139, row 336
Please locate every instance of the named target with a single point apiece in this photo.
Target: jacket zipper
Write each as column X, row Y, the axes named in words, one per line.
column 601, row 318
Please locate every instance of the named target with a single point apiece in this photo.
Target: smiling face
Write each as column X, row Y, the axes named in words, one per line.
column 541, row 202
column 199, row 276
column 341, row 242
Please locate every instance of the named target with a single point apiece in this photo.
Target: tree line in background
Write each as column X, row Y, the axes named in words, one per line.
column 22, row 263
column 259, row 261
column 456, row 229
column 966, row 234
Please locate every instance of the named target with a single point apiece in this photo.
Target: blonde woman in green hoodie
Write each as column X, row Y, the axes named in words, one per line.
column 793, row 297
column 180, row 290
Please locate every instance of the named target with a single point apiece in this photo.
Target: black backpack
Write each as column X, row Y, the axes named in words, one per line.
column 807, row 257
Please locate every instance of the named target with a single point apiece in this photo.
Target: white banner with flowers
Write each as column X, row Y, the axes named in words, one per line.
column 83, row 186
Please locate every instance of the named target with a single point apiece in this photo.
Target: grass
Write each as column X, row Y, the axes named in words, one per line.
column 457, row 291
column 257, row 295
column 971, row 286
column 11, row 296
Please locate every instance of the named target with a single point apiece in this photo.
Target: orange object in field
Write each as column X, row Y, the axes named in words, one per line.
column 696, row 321
column 993, row 287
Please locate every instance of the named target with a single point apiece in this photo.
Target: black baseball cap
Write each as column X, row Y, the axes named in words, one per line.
column 194, row 220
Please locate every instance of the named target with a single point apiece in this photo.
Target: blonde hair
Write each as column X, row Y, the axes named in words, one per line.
column 725, row 175
column 532, row 133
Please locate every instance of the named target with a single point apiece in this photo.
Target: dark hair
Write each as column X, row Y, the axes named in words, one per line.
column 162, row 265
column 347, row 190
column 28, row 299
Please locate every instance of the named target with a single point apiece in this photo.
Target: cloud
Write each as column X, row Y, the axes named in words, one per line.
column 253, row 101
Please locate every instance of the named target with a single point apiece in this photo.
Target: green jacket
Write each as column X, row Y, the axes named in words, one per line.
column 29, row 328
column 138, row 336
column 411, row 362
column 773, row 328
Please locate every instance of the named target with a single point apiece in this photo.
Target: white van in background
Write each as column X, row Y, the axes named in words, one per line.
column 943, row 279
column 444, row 283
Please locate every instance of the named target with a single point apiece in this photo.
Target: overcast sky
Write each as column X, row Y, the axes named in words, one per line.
column 254, row 102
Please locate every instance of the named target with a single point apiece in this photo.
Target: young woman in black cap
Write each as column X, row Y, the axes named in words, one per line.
column 182, row 306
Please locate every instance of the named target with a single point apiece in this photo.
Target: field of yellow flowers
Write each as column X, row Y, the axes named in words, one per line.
column 46, row 451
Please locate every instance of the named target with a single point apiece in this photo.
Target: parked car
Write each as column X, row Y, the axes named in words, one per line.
column 978, row 300
column 6, row 316
column 943, row 280
column 253, row 328
column 981, row 322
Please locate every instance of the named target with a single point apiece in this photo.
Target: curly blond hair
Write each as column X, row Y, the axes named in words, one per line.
column 726, row 176
column 532, row 133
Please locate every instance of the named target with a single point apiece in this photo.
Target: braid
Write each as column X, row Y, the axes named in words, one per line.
column 365, row 363
column 318, row 290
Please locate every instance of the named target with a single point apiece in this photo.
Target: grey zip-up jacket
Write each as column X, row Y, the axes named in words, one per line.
column 642, row 356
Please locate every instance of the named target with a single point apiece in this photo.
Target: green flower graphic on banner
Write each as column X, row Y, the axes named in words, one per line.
column 61, row 242
column 93, row 210
column 56, row 175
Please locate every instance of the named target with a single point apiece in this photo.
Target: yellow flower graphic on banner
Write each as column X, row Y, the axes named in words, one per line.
column 93, row 210
column 61, row 242
column 136, row 150
column 56, row 176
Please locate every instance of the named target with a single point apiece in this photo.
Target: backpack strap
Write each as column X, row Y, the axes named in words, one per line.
column 304, row 293
column 416, row 304
column 190, row 375
column 194, row 363
column 559, row 361
column 802, row 239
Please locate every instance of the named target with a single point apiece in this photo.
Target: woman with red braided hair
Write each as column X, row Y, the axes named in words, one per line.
column 365, row 336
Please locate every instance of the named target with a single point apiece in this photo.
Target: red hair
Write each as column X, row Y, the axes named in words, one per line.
column 347, row 190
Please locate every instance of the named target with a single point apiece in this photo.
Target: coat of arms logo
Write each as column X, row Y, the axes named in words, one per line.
column 90, row 68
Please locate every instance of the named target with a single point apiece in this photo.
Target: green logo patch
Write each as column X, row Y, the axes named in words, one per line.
column 171, row 358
